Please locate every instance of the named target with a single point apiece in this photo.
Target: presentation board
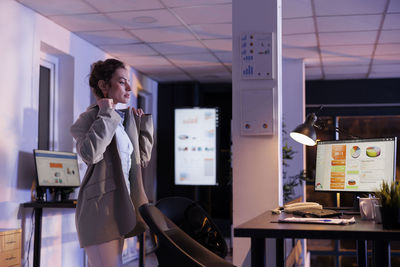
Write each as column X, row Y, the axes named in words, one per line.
column 196, row 146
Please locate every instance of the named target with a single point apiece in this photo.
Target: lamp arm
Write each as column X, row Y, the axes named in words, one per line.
column 346, row 133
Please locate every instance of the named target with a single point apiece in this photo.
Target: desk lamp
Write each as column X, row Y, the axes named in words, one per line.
column 305, row 132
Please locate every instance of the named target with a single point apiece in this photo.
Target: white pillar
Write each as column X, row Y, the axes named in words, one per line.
column 257, row 178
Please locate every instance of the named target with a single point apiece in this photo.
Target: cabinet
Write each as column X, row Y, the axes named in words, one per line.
column 10, row 247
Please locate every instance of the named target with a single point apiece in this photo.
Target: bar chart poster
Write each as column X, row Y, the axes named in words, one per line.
column 195, row 146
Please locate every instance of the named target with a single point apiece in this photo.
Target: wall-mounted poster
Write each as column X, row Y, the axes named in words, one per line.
column 195, row 146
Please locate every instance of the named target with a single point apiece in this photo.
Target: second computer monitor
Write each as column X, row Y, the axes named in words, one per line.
column 355, row 165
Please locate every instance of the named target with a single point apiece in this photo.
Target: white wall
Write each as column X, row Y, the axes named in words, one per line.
column 23, row 35
column 293, row 109
column 256, row 159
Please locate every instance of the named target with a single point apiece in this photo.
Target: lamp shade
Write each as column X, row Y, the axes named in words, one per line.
column 305, row 133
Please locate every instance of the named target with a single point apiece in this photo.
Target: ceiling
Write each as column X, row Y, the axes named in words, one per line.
column 191, row 40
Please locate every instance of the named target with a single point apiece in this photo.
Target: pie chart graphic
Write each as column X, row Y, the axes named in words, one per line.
column 355, row 152
column 373, row 151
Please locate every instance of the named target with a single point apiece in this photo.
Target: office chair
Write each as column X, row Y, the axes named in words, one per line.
column 175, row 247
column 195, row 221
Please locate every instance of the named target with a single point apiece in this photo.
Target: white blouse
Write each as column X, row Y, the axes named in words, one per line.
column 125, row 149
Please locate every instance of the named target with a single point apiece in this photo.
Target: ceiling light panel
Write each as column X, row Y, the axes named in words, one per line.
column 346, row 7
column 108, row 37
column 296, row 8
column 348, row 23
column 205, row 14
column 392, row 22
column 58, row 7
column 299, row 40
column 185, row 47
column 89, row 22
column 213, row 31
column 164, row 34
column 124, row 5
column 294, row 26
column 132, row 19
column 129, row 50
column 347, row 38
column 180, row 3
column 347, row 50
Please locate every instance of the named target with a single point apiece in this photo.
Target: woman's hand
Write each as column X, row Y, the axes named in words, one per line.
column 138, row 112
column 105, row 103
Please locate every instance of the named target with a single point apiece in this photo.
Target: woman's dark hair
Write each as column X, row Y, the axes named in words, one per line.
column 103, row 70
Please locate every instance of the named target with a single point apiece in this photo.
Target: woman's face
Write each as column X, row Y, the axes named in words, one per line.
column 118, row 88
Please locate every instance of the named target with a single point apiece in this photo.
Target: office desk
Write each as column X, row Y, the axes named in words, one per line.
column 262, row 227
column 38, row 208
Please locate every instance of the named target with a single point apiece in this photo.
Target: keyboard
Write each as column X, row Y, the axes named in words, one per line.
column 317, row 213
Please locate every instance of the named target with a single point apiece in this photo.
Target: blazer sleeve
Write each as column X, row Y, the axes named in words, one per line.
column 146, row 139
column 94, row 133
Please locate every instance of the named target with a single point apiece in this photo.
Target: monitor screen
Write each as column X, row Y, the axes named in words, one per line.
column 195, row 146
column 355, row 165
column 56, row 169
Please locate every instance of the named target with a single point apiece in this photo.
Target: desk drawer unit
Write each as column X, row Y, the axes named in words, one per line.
column 10, row 247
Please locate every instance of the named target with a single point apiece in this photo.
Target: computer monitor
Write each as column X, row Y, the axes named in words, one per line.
column 56, row 169
column 355, row 165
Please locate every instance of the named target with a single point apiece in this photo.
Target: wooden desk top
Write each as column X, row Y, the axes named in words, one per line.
column 263, row 226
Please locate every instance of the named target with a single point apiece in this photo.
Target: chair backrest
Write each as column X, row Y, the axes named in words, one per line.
column 195, row 221
column 175, row 247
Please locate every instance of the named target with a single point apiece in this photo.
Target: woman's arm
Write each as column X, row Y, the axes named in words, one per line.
column 94, row 133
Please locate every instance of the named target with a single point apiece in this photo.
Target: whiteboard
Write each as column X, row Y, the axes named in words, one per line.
column 195, row 146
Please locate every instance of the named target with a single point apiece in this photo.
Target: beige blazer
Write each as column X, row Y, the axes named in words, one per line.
column 105, row 211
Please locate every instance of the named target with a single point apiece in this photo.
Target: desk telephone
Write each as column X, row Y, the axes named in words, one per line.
column 301, row 206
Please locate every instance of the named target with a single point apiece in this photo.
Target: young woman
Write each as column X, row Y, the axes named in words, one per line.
column 115, row 144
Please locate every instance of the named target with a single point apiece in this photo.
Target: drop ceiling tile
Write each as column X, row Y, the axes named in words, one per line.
column 342, row 61
column 180, row 3
column 88, row 22
column 348, row 23
column 300, row 52
column 312, row 62
column 185, row 47
column 347, row 38
column 296, row 8
column 129, row 50
column 193, row 59
column 164, row 34
column 345, row 7
column 392, row 22
column 391, row 59
column 108, row 37
column 387, row 49
column 342, row 70
column 205, row 14
column 394, row 6
column 213, row 31
column 144, row 19
column 205, row 70
column 345, row 76
column 299, row 40
column 313, row 77
column 123, row 5
column 154, row 61
column 58, row 7
column 313, row 71
column 392, row 36
column 301, row 25
column 347, row 50
column 219, row 45
column 216, row 77
column 386, row 68
column 225, row 57
column 381, row 75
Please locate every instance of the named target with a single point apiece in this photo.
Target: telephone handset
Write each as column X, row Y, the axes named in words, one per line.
column 301, row 206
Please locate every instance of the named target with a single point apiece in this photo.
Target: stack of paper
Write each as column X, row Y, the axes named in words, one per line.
column 317, row 220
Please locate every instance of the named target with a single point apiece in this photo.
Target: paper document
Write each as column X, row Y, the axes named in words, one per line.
column 317, row 220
